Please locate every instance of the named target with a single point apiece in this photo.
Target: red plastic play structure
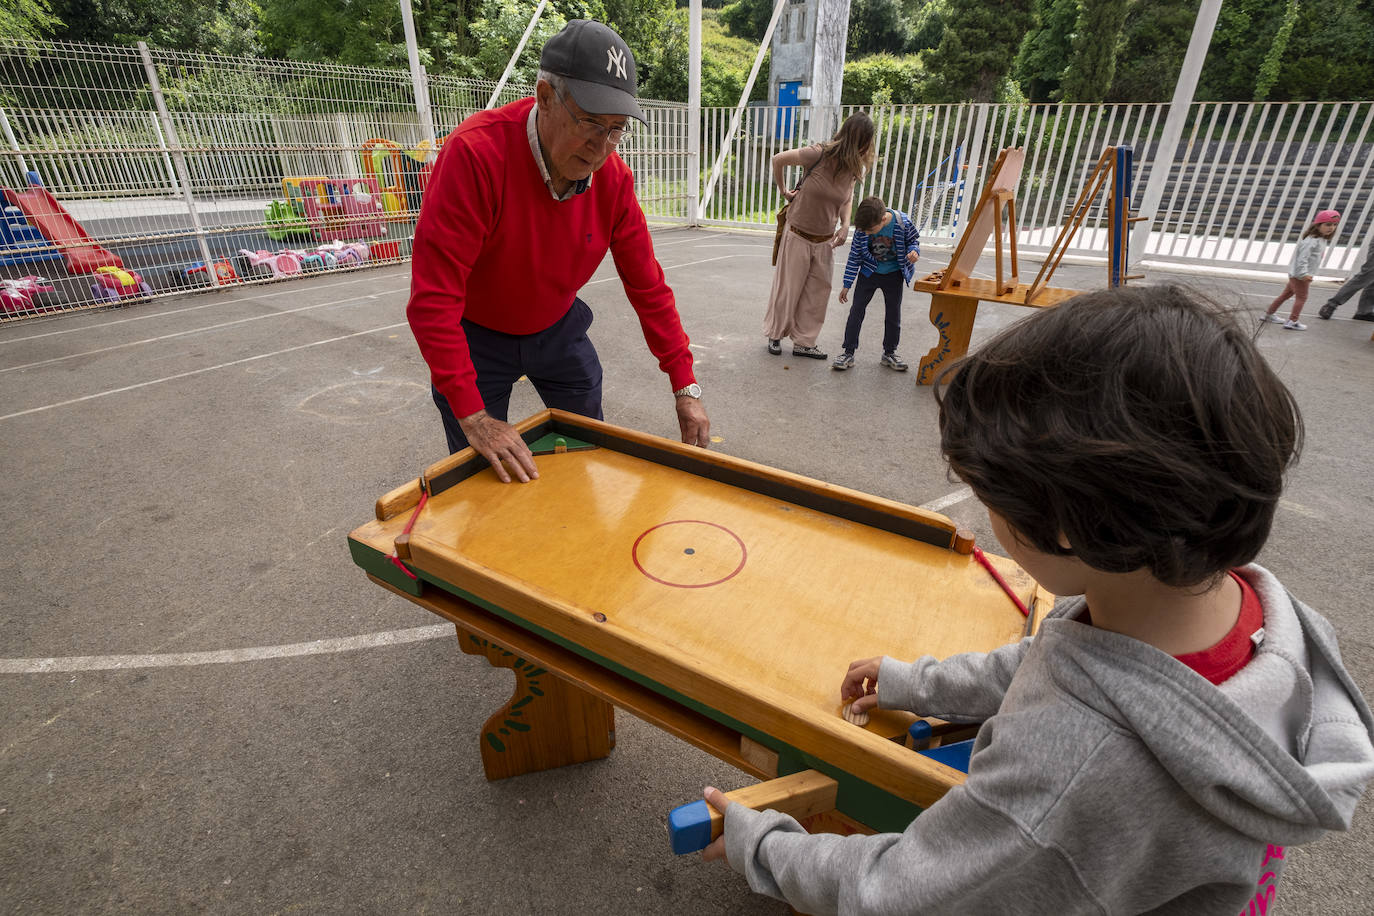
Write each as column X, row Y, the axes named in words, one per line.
column 82, row 254
column 343, row 208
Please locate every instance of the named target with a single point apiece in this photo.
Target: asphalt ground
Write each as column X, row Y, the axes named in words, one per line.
column 207, row 707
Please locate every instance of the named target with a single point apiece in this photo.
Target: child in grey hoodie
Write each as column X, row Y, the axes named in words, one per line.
column 1166, row 735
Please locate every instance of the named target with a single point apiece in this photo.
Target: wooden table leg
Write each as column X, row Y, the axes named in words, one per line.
column 548, row 722
column 953, row 317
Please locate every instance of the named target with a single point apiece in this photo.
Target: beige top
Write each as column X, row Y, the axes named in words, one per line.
column 816, row 208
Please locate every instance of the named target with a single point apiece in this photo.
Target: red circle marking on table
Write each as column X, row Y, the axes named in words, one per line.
column 743, row 551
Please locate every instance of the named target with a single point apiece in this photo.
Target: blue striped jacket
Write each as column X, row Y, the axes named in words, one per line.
column 904, row 237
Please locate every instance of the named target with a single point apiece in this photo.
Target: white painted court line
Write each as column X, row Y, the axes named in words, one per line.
column 949, row 499
column 314, row 647
column 212, row 327
column 190, row 308
column 222, row 656
column 171, row 378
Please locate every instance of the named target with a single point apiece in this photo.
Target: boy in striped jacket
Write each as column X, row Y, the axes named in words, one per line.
column 886, row 245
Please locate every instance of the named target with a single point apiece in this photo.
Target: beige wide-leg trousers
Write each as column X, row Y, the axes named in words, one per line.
column 801, row 290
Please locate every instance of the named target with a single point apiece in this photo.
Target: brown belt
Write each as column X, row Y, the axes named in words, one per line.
column 809, row 237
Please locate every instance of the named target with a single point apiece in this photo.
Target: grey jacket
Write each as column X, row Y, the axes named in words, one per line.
column 1108, row 778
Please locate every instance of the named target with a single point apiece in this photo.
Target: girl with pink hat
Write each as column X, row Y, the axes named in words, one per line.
column 1305, row 260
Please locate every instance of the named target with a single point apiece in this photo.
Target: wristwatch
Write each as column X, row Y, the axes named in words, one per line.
column 691, row 391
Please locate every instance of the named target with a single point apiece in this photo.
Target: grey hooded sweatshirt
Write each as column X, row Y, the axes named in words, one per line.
column 1108, row 778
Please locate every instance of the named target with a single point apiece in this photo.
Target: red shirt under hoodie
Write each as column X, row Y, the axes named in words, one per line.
column 492, row 245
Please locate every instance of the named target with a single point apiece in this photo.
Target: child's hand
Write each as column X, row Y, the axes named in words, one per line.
column 716, row 799
column 861, row 684
column 844, row 294
column 912, row 257
column 840, row 238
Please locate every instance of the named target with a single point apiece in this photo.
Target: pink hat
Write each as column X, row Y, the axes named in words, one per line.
column 1327, row 216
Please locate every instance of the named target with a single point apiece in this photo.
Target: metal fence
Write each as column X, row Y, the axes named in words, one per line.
column 155, row 164
column 1248, row 179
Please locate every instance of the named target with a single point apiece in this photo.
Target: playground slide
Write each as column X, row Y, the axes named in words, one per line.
column 83, row 255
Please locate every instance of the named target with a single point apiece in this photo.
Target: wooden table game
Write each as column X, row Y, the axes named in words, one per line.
column 716, row 598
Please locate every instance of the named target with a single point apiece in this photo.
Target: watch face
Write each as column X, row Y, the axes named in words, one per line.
column 692, row 391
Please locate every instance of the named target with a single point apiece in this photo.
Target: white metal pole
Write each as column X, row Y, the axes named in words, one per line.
column 694, row 114
column 417, row 75
column 743, row 103
column 1166, row 153
column 24, row 166
column 529, row 29
column 179, row 159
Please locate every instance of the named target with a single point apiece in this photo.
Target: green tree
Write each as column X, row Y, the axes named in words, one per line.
column 1269, row 70
column 1045, row 52
column 876, row 26
column 927, row 23
column 1154, row 39
column 977, row 49
column 205, row 26
column 746, row 19
column 883, row 79
column 1090, row 70
column 27, row 20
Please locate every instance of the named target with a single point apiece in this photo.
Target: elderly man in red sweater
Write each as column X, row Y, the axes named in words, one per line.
column 512, row 226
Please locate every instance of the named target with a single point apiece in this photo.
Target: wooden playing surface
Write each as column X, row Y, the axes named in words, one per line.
column 747, row 603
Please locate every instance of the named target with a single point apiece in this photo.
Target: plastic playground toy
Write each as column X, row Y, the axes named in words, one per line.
column 195, row 274
column 283, row 219
column 266, row 263
column 23, row 294
column 346, row 254
column 316, row 260
column 21, row 242
column 116, row 283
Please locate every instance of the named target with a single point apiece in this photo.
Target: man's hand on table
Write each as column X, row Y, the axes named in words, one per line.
column 499, row 443
column 692, row 419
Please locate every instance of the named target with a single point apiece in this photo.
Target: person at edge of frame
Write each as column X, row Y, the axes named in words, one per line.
column 1165, row 736
column 523, row 205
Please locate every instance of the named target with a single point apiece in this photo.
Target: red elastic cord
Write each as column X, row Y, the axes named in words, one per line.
column 987, row 564
column 424, row 498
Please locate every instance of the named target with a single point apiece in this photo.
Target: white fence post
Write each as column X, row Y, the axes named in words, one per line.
column 179, row 158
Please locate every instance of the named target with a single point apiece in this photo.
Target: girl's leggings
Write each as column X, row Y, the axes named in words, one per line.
column 1297, row 288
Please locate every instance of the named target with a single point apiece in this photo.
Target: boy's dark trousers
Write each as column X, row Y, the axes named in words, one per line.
column 560, row 362
column 864, row 288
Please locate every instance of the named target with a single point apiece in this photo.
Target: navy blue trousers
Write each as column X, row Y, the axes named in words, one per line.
column 560, row 362
column 864, row 288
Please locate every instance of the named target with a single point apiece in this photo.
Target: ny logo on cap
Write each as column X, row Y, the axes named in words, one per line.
column 615, row 58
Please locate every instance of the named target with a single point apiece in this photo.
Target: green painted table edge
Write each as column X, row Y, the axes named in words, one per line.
column 864, row 802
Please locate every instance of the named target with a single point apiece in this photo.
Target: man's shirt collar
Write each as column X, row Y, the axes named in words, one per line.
column 536, row 149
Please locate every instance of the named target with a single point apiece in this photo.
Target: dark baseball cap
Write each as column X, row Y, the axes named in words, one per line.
column 598, row 66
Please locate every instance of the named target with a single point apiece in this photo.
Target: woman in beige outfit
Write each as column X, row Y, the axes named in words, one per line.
column 806, row 256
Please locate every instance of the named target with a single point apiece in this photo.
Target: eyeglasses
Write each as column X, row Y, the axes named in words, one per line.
column 589, row 129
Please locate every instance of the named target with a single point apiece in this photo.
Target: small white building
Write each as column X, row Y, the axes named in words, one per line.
column 806, row 71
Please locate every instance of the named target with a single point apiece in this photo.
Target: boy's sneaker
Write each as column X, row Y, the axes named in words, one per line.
column 844, row 361
column 810, row 352
column 774, row 346
column 1326, row 311
column 1291, row 325
column 893, row 361
column 1272, row 319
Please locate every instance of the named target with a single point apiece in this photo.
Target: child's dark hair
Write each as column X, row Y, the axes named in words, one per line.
column 1140, row 424
column 870, row 213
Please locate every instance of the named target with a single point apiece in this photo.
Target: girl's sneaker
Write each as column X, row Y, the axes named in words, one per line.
column 842, row 362
column 893, row 361
column 1272, row 319
column 1291, row 325
column 809, row 352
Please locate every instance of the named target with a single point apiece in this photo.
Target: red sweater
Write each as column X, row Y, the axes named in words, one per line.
column 494, row 246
